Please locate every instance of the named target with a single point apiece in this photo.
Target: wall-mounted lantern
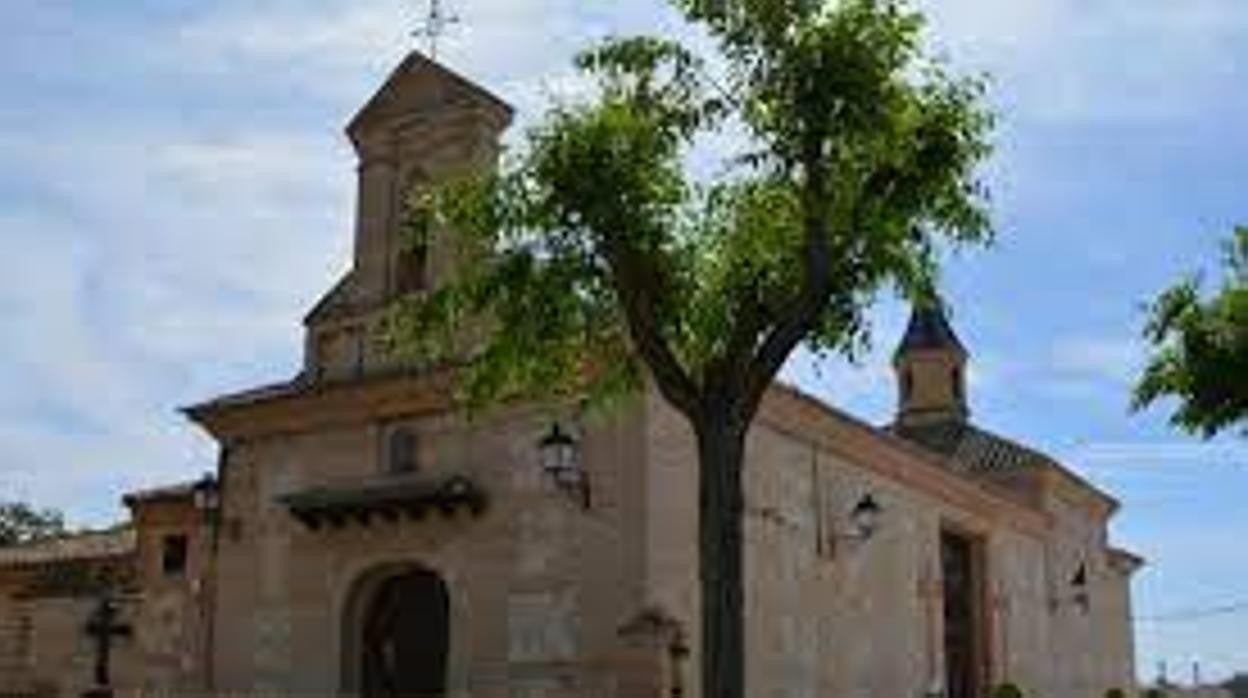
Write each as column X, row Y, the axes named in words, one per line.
column 865, row 518
column 205, row 493
column 864, row 523
column 206, row 496
column 560, row 456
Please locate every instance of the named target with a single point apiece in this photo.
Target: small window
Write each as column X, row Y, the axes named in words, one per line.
column 411, row 267
column 173, row 556
column 907, row 384
column 956, row 377
column 402, row 451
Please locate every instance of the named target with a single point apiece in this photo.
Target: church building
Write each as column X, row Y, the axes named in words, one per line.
column 361, row 535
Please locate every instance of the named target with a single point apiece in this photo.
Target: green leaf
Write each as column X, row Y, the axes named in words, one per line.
column 1200, row 349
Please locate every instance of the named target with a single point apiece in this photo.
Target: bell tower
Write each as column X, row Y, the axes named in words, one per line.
column 425, row 125
column 930, row 364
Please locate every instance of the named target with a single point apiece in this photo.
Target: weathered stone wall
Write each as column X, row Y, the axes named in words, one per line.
column 44, row 610
column 15, row 643
column 171, row 622
column 831, row 616
column 46, row 650
column 1114, row 628
column 442, row 130
column 538, row 586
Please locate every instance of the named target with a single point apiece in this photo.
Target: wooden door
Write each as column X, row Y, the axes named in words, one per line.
column 963, row 621
column 405, row 638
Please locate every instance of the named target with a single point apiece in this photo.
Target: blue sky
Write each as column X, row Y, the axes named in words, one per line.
column 175, row 192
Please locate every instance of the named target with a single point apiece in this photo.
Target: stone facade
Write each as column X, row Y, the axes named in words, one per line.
column 156, row 568
column 360, row 471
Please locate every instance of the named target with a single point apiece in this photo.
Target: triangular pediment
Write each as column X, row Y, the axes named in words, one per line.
column 420, row 85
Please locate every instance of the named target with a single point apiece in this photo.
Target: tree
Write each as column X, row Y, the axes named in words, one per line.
column 20, row 523
column 1200, row 349
column 1237, row 685
column 599, row 260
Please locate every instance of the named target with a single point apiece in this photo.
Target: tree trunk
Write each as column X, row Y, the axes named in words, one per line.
column 721, row 506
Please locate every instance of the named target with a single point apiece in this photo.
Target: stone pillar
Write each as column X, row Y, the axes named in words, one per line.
column 375, row 208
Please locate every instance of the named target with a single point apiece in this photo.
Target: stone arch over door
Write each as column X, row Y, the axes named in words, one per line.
column 396, row 631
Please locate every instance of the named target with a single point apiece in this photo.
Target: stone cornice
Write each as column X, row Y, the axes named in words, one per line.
column 308, row 406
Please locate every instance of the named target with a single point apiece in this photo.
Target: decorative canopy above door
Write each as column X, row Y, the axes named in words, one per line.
column 387, row 499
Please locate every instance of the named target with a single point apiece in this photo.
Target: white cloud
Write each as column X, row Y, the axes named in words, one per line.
column 171, row 270
column 80, row 419
column 344, row 34
column 1109, row 457
column 1111, row 360
column 175, row 255
column 1067, row 61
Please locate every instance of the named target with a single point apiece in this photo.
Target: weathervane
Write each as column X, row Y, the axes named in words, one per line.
column 435, row 26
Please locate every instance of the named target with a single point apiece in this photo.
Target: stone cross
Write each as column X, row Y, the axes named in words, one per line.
column 103, row 627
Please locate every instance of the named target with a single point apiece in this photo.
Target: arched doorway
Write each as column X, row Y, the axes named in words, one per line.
column 404, row 633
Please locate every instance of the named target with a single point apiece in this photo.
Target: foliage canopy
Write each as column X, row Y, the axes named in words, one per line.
column 1200, row 348
column 20, row 523
column 1237, row 685
column 596, row 254
column 595, row 247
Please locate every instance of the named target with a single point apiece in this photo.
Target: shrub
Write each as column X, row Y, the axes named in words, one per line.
column 1115, row 693
column 1007, row 690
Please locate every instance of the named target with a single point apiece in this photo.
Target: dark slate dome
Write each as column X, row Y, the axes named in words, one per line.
column 929, row 329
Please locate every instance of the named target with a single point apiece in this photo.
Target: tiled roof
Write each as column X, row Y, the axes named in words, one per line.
column 181, row 490
column 247, row 397
column 969, row 448
column 94, row 545
column 929, row 328
column 972, row 450
column 1125, row 561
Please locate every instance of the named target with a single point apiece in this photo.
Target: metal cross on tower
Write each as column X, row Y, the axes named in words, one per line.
column 435, row 25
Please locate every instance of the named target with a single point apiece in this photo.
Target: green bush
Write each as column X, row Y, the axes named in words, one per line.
column 1154, row 693
column 1007, row 690
column 1115, row 693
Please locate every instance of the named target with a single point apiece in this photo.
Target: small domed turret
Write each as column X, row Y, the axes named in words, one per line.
column 930, row 364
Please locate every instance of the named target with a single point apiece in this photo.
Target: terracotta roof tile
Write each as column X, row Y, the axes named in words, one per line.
column 969, row 448
column 118, row 542
column 181, row 490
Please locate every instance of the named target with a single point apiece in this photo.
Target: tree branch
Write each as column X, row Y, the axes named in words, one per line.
column 795, row 323
column 633, row 280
